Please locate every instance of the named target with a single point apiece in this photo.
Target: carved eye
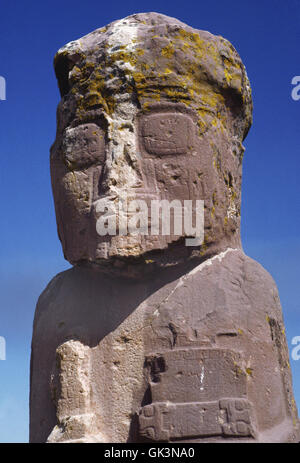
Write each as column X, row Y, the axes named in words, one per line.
column 164, row 134
column 83, row 146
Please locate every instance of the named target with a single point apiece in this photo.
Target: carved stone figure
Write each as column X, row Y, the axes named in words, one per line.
column 146, row 338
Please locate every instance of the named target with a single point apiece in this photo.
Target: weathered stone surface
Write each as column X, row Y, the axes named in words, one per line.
column 146, row 338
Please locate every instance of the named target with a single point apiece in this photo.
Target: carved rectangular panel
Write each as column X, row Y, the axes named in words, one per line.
column 166, row 133
column 196, row 375
column 166, row 421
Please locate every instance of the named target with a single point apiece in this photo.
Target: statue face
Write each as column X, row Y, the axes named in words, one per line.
column 149, row 112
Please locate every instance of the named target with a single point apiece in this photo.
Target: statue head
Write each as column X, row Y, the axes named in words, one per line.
column 151, row 109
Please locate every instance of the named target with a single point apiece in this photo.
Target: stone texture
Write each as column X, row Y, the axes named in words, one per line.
column 146, row 338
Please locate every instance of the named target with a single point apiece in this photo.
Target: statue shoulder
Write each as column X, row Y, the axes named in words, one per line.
column 256, row 274
column 68, row 293
column 260, row 288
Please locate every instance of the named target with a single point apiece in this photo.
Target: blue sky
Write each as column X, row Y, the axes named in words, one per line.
column 266, row 34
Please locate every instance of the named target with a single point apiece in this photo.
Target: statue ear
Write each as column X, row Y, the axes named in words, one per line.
column 64, row 62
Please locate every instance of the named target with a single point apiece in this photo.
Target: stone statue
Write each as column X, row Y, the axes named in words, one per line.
column 147, row 338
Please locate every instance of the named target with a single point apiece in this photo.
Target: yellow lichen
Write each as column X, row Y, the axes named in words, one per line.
column 140, row 51
column 168, row 51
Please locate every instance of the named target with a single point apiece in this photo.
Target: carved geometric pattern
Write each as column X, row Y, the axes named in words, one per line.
column 165, row 421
